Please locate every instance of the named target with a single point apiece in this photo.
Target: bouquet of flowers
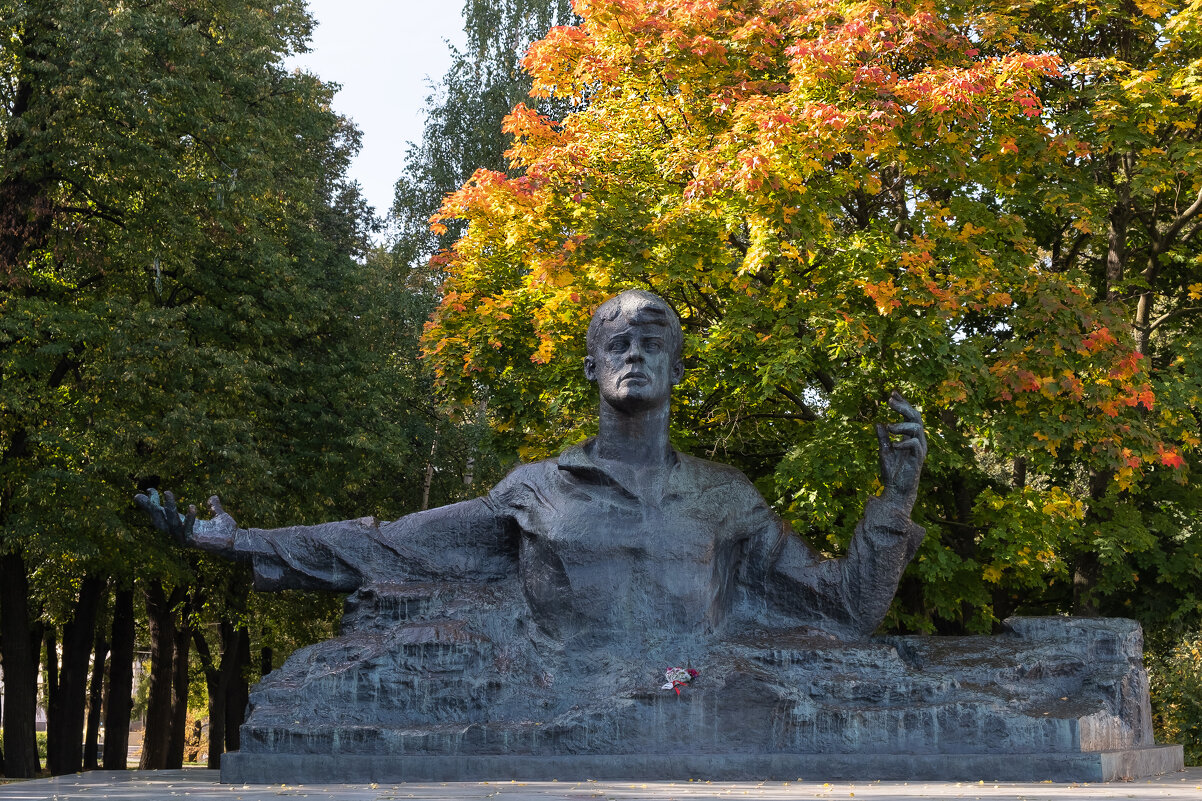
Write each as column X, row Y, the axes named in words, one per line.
column 678, row 677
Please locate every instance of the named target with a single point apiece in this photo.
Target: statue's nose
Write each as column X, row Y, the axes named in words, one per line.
column 634, row 353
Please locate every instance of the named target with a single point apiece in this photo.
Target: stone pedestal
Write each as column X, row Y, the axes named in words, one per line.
column 1091, row 766
column 443, row 683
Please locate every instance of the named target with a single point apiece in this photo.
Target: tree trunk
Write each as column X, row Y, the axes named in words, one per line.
column 266, row 660
column 216, row 699
column 50, row 672
column 1116, row 235
column 1085, row 580
column 91, row 747
column 119, row 698
column 20, row 670
column 429, row 477
column 224, row 710
column 69, row 693
column 216, row 717
column 179, row 700
column 50, row 689
column 237, row 694
column 161, row 619
column 54, row 699
column 1086, row 567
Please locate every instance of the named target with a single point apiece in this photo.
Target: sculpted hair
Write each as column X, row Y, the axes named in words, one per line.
column 643, row 307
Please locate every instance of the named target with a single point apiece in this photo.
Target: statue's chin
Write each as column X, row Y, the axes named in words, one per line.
column 636, row 399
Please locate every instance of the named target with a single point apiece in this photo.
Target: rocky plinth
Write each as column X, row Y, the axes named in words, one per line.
column 426, row 682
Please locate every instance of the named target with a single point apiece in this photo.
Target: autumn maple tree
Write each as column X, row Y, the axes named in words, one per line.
column 1121, row 216
column 841, row 198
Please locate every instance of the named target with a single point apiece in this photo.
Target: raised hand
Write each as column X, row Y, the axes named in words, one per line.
column 215, row 535
column 901, row 461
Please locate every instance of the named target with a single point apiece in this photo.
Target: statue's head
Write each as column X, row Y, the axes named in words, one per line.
column 634, row 347
column 643, row 306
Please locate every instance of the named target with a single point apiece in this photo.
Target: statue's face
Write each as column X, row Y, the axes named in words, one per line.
column 633, row 364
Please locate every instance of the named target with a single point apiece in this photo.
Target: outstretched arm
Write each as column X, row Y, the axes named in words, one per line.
column 467, row 541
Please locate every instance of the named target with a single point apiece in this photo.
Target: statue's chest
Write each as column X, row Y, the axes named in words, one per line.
column 614, row 525
column 610, row 556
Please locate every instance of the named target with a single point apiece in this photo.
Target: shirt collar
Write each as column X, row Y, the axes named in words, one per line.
column 579, row 462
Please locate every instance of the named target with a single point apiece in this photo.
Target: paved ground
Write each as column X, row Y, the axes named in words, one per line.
column 202, row 785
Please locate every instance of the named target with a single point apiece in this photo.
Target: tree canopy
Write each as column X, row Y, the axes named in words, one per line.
column 183, row 303
column 463, row 115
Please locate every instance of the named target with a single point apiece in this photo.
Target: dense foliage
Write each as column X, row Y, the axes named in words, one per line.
column 463, row 115
column 186, row 301
column 1176, row 683
column 991, row 207
column 462, row 133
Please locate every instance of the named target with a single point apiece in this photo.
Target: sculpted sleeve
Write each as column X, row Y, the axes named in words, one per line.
column 849, row 595
column 469, row 541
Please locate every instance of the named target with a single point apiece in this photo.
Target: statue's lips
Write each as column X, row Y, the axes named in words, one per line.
column 638, row 378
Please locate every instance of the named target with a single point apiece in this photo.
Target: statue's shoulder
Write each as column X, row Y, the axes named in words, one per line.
column 524, row 479
column 707, row 475
column 530, row 472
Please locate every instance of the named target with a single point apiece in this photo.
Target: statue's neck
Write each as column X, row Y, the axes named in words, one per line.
column 639, row 439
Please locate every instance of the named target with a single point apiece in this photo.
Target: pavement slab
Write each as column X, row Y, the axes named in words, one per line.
column 198, row 784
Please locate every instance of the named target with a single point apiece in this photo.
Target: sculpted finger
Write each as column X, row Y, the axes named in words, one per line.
column 915, row 445
column 215, row 505
column 906, row 429
column 169, row 501
column 899, row 404
column 143, row 501
column 154, row 497
column 189, row 522
column 882, row 436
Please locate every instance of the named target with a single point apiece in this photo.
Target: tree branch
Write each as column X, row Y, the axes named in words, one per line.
column 668, row 92
column 807, row 413
column 90, row 212
column 1191, row 232
column 1164, row 318
column 709, row 303
column 1185, row 216
column 825, row 379
column 1074, row 250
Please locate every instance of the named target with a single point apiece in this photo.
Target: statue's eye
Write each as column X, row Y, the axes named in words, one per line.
column 618, row 345
column 653, row 346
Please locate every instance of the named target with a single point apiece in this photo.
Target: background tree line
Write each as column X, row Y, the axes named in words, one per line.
column 189, row 299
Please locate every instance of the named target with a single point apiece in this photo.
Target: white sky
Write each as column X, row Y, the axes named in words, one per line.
column 384, row 53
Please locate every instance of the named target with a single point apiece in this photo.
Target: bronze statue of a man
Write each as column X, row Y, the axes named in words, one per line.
column 620, row 535
column 625, row 610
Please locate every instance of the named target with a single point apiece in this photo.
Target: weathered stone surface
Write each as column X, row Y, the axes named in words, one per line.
column 432, row 695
